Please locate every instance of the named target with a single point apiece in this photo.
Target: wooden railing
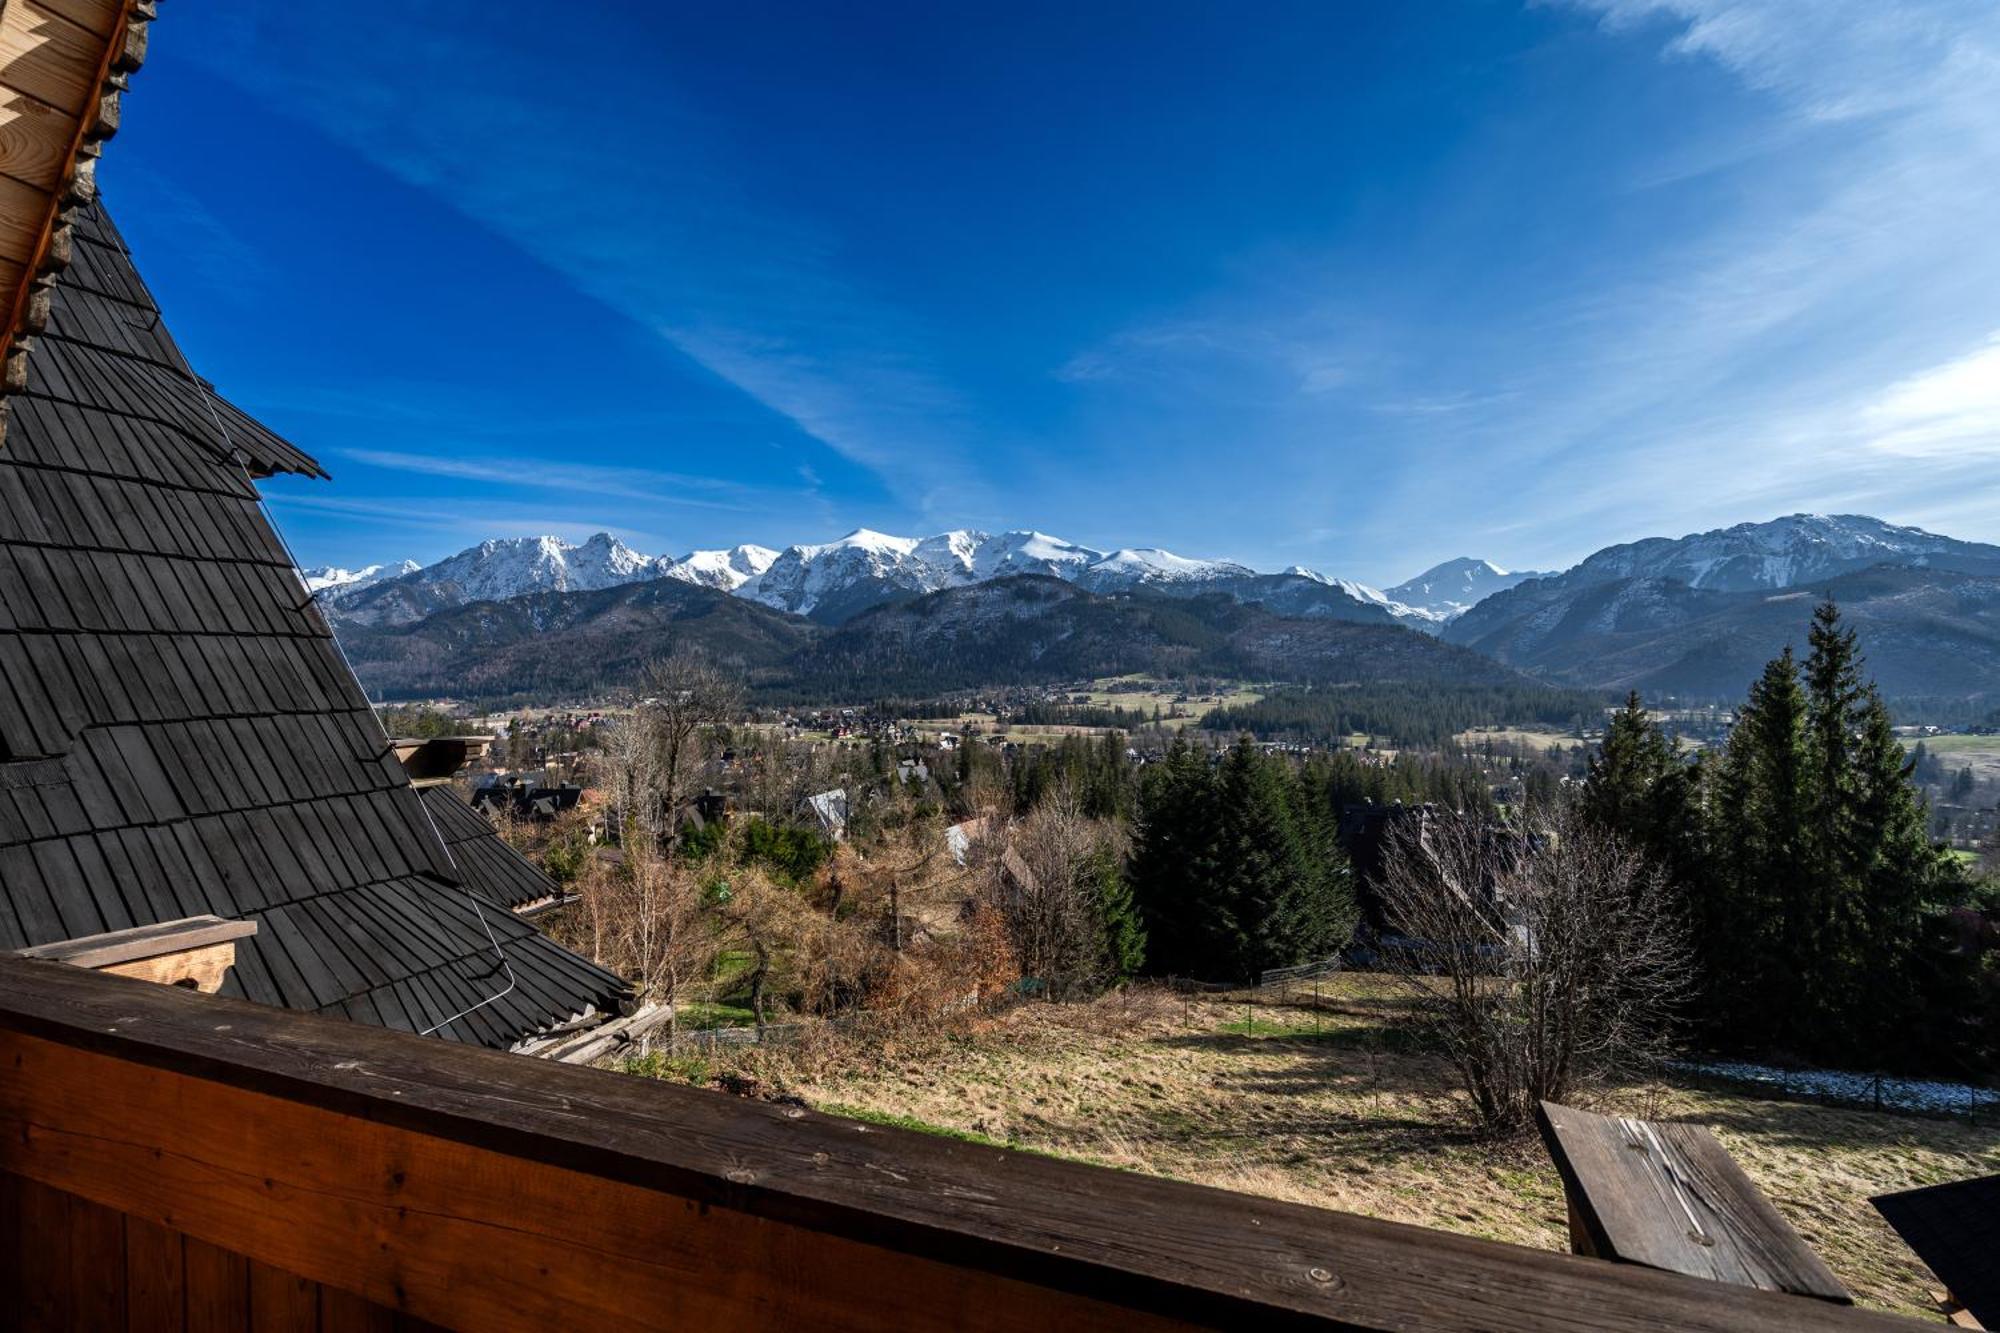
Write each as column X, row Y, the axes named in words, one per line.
column 168, row 1153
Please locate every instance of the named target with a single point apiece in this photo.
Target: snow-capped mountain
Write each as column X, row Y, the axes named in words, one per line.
column 834, row 581
column 831, row 581
column 727, row 570
column 330, row 579
column 1455, row 587
column 1783, row 553
column 494, row 571
column 1702, row 613
column 509, row 567
column 1133, row 566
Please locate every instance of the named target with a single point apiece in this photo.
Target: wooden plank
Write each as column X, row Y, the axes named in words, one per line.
column 24, row 211
column 96, row 1265
column 1955, row 1229
column 49, row 58
column 477, row 1189
column 282, row 1302
column 344, row 1312
column 14, row 1240
column 218, row 1288
column 41, row 1298
column 35, row 140
column 141, row 943
column 201, row 969
column 102, row 17
column 155, row 1294
column 1668, row 1196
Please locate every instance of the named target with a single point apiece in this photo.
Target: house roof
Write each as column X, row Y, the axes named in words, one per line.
column 1955, row 1230
column 63, row 66
column 502, row 873
column 179, row 733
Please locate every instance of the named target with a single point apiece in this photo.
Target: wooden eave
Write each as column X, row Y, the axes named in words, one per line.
column 63, row 66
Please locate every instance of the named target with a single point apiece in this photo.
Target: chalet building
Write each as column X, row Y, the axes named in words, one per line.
column 179, row 735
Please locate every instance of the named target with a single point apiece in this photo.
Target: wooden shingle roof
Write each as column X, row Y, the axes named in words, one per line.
column 179, row 733
column 503, row 874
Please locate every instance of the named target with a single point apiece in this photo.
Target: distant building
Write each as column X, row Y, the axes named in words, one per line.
column 830, row 809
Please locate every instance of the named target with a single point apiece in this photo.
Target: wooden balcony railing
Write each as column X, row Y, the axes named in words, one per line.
column 173, row 1159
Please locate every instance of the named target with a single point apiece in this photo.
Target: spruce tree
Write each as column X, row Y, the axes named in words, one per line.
column 1623, row 788
column 1123, row 932
column 1257, row 858
column 1758, row 902
column 1172, row 858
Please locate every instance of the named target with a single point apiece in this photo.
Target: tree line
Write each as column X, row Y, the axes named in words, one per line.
column 1429, row 715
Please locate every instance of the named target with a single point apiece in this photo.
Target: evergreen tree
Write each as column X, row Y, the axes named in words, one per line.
column 1124, row 932
column 1754, row 909
column 1624, row 787
column 1171, row 860
column 1236, row 867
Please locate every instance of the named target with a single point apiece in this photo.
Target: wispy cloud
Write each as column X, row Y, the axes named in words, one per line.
column 669, row 488
column 1952, row 410
column 425, row 519
column 667, row 236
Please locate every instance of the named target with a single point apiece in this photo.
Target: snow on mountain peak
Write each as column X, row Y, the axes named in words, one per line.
column 331, row 580
column 1445, row 591
column 727, row 570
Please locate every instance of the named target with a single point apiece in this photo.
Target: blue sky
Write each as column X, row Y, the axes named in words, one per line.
column 1356, row 285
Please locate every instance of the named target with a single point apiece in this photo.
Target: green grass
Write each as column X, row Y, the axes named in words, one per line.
column 698, row 1014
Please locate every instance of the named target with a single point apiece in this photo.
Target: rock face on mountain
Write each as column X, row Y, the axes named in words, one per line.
column 1699, row 615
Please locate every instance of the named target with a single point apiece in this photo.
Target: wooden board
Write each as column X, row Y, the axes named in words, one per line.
column 35, row 141
column 53, row 60
column 141, row 943
column 1668, row 1196
column 483, row 1190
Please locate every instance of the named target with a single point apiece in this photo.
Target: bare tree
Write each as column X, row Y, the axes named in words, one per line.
column 1538, row 964
column 645, row 907
column 670, row 738
column 1046, row 888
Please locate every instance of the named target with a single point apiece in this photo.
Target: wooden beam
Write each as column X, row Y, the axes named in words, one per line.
column 195, row 951
column 485, row 1191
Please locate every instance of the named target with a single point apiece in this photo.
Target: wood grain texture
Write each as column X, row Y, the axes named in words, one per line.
column 155, row 1285
column 218, row 1288
column 53, row 60
column 34, row 140
column 487, row 1191
column 1668, row 1196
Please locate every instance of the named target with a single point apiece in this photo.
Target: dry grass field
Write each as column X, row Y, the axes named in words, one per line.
column 1328, row 1106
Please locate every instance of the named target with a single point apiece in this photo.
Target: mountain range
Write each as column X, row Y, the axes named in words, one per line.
column 1693, row 616
column 832, row 582
column 1698, row 615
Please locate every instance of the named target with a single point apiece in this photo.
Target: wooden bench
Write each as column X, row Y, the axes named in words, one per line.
column 1666, row 1195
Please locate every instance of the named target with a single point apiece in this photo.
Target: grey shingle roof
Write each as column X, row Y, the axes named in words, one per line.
column 178, row 731
column 501, row 872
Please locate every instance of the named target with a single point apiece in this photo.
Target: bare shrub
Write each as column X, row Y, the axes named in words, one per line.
column 1536, row 965
column 1049, row 894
